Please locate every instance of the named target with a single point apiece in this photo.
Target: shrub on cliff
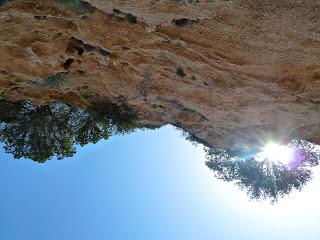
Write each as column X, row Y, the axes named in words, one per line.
column 41, row 132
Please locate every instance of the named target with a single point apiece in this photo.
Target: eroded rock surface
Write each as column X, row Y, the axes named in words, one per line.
column 229, row 72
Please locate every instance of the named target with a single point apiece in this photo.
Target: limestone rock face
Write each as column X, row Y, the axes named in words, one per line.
column 230, row 72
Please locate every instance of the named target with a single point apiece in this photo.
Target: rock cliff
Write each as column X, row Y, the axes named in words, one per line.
column 231, row 73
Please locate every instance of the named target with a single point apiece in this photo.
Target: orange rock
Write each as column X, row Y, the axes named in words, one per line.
column 228, row 72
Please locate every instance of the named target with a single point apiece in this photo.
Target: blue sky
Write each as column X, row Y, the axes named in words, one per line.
column 147, row 185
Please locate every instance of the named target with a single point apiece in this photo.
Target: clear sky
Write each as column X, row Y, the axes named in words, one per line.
column 147, row 185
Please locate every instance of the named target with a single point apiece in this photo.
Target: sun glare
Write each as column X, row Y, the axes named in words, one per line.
column 276, row 153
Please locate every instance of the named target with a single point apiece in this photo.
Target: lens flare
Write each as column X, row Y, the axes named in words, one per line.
column 276, row 153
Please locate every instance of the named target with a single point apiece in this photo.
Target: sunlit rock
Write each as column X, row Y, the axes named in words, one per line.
column 223, row 70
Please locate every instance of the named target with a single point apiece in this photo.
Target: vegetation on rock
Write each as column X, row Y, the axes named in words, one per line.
column 266, row 179
column 41, row 132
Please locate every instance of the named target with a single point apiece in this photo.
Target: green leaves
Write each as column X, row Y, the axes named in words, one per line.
column 267, row 179
column 42, row 132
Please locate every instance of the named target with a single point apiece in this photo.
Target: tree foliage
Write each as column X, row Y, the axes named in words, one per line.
column 41, row 132
column 266, row 179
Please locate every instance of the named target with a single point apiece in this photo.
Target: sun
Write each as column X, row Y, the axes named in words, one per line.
column 276, row 153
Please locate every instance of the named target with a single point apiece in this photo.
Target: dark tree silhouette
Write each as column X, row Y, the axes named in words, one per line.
column 41, row 132
column 266, row 179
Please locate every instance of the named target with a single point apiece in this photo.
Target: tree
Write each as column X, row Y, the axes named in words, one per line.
column 266, row 179
column 41, row 132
